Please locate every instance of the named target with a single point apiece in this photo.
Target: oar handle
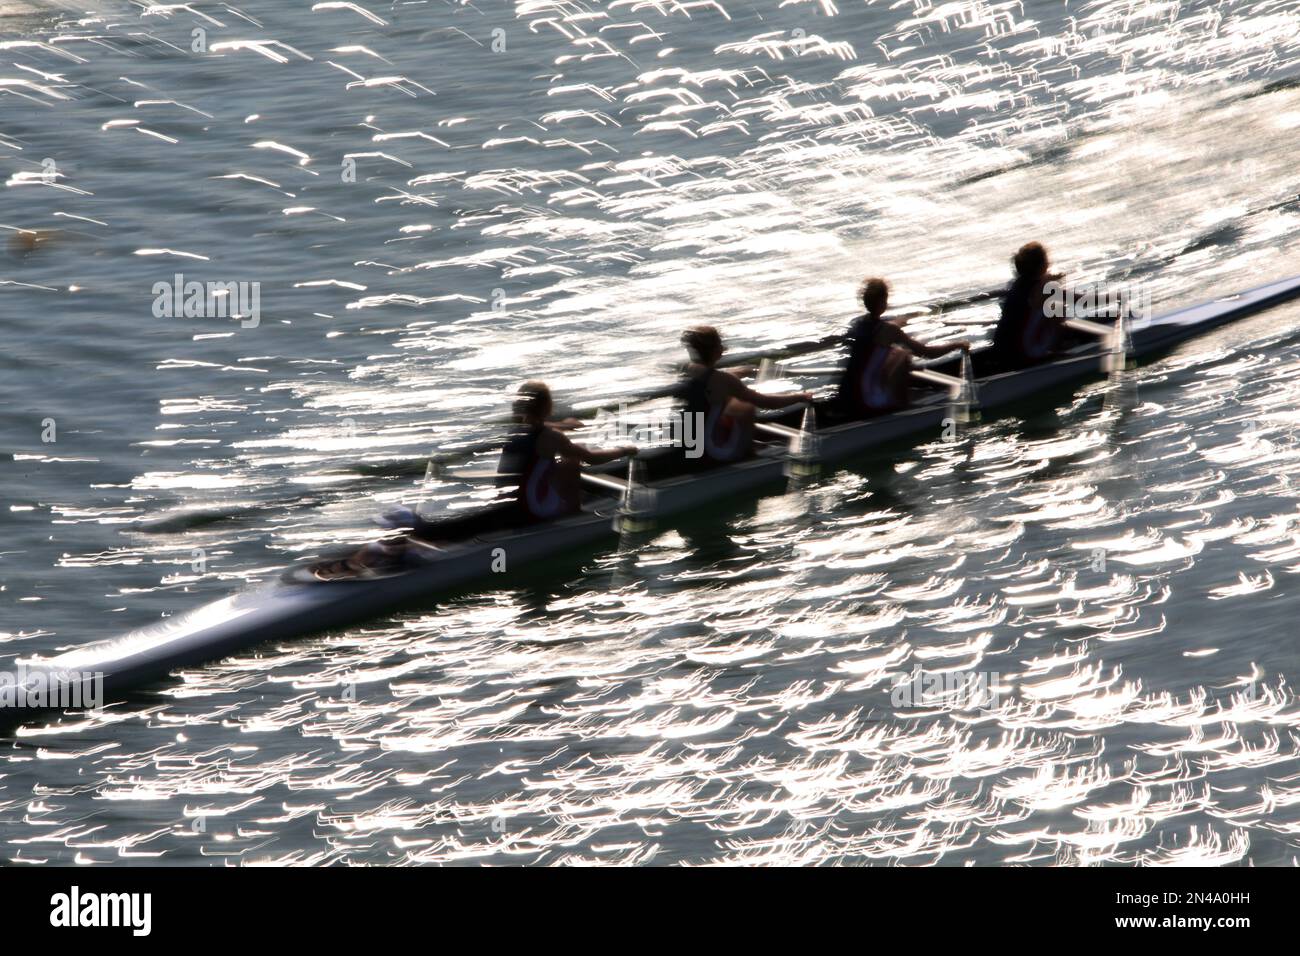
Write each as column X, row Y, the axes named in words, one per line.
column 1091, row 328
column 772, row 428
column 937, row 378
column 604, row 481
column 816, row 370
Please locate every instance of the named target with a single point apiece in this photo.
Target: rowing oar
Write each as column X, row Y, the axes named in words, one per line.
column 442, row 458
column 962, row 389
column 637, row 501
column 920, row 374
column 812, row 346
column 803, row 457
column 1117, row 356
column 761, row 357
column 590, row 408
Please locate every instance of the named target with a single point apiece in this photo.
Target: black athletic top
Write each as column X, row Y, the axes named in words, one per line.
column 1024, row 335
column 863, row 389
column 695, row 391
column 863, row 338
column 518, row 455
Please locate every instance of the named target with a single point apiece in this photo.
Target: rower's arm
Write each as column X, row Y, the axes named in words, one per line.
column 740, row 390
column 598, row 456
column 565, row 448
column 922, row 350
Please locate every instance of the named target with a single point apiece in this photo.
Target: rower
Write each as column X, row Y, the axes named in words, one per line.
column 877, row 377
column 1027, row 331
column 724, row 403
column 540, row 464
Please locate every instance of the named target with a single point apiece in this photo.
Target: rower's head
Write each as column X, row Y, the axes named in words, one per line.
column 533, row 402
column 875, row 296
column 703, row 343
column 1030, row 261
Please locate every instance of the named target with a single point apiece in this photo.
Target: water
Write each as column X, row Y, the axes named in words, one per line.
column 553, row 190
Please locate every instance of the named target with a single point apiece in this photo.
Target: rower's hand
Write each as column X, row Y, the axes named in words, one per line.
column 806, row 396
column 567, row 424
column 629, row 451
column 962, row 344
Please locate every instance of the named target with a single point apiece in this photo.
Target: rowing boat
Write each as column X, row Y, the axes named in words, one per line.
column 292, row 607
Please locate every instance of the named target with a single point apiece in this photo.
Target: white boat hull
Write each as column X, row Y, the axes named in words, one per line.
column 283, row 610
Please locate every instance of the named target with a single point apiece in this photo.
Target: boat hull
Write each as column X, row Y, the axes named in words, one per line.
column 284, row 610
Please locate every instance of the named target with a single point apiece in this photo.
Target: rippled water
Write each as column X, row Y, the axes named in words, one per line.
column 553, row 190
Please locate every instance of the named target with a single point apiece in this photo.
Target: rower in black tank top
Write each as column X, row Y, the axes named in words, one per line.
column 518, row 454
column 539, row 464
column 721, row 405
column 877, row 377
column 723, row 437
column 530, row 475
column 867, row 387
column 1026, row 333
